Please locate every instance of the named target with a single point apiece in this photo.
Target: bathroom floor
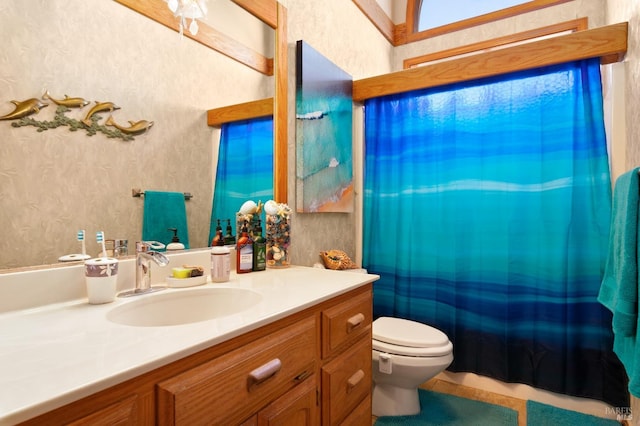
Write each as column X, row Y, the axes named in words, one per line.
column 516, row 404
column 519, row 405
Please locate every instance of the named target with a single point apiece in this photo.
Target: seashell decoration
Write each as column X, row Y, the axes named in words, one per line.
column 249, row 207
column 337, row 260
column 271, row 207
column 278, row 228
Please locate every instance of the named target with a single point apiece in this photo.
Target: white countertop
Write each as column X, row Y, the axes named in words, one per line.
column 56, row 354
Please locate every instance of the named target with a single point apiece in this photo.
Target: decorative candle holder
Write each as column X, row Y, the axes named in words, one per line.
column 278, row 230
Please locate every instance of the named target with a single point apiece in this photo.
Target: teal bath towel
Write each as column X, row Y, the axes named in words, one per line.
column 619, row 289
column 164, row 210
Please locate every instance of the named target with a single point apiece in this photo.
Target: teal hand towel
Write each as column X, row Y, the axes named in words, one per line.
column 164, row 210
column 619, row 288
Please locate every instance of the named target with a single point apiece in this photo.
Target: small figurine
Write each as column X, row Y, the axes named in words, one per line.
column 99, row 107
column 24, row 108
column 67, row 101
column 135, row 128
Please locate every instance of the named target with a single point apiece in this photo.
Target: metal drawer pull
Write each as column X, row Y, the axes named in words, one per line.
column 354, row 380
column 354, row 321
column 263, row 372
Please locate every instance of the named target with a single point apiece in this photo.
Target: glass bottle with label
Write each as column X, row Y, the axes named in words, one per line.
column 244, row 251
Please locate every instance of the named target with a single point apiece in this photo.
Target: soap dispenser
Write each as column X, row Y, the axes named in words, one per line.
column 218, row 239
column 229, row 239
column 175, row 243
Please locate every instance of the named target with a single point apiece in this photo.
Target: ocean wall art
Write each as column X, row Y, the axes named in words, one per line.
column 324, row 116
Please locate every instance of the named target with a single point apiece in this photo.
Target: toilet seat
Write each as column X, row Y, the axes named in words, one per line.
column 410, row 338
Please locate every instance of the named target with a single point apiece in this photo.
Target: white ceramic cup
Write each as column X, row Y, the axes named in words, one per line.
column 101, row 276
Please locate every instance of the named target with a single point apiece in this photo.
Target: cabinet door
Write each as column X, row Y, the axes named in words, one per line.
column 346, row 382
column 232, row 387
column 297, row 407
column 361, row 416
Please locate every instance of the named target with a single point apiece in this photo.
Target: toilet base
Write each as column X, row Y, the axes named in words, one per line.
column 394, row 401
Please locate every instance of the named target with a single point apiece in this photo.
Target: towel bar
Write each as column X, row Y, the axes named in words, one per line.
column 137, row 192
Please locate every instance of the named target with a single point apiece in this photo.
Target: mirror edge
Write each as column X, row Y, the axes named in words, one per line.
column 281, row 135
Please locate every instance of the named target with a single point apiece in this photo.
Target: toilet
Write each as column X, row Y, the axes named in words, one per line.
column 405, row 355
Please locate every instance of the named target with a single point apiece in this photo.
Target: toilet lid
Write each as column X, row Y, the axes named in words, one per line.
column 401, row 336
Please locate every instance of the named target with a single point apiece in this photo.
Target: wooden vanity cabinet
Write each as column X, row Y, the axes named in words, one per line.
column 310, row 368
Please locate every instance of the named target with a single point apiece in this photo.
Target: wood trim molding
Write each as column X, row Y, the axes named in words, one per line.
column 412, row 17
column 216, row 117
column 608, row 43
column 265, row 10
column 379, row 18
column 399, row 34
column 573, row 26
column 277, row 106
column 281, row 113
column 477, row 20
column 207, row 36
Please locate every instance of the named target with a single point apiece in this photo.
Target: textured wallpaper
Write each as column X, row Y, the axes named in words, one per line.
column 619, row 11
column 56, row 182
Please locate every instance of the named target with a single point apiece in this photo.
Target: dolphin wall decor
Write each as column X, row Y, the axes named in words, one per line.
column 24, row 108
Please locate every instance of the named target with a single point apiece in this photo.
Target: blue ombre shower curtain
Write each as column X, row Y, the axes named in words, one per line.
column 486, row 214
column 245, row 169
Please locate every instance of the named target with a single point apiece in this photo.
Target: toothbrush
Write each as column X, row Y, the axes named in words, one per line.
column 81, row 239
column 100, row 240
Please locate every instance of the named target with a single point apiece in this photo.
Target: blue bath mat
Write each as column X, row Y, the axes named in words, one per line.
column 442, row 409
column 543, row 414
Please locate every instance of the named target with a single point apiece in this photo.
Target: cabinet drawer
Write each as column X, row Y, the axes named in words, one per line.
column 344, row 323
column 346, row 382
column 228, row 389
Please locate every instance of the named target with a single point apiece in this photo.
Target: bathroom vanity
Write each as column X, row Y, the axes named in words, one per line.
column 300, row 355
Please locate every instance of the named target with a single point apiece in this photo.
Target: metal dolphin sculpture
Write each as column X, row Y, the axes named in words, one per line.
column 99, row 107
column 24, row 108
column 135, row 128
column 67, row 101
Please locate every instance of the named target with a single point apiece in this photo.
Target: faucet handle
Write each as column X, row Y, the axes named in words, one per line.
column 144, row 246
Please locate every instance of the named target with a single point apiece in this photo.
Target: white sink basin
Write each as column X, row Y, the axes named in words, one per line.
column 176, row 307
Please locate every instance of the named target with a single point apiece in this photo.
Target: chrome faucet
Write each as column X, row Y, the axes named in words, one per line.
column 144, row 256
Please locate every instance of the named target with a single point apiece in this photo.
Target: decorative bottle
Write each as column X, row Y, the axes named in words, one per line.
column 244, row 251
column 259, row 248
